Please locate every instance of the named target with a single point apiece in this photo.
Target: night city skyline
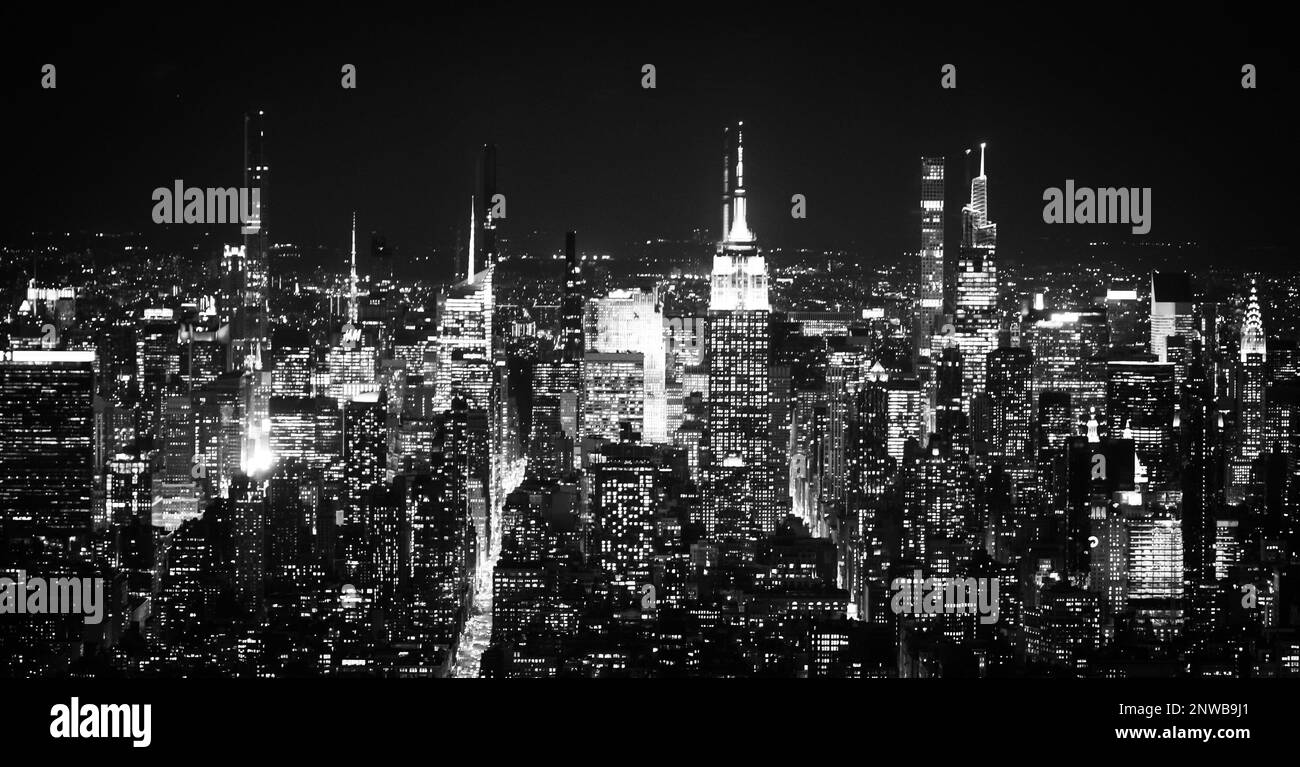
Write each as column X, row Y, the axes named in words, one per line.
column 557, row 343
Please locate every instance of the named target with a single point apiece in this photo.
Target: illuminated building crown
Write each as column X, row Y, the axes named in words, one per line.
column 739, row 270
column 1252, row 327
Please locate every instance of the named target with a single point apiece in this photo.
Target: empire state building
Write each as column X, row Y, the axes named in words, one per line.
column 740, row 497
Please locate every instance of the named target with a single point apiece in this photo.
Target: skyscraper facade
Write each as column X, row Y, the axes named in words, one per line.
column 737, row 350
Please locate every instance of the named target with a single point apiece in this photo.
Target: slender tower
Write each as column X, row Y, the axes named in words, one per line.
column 243, row 299
column 1254, row 352
column 975, row 312
column 249, row 279
column 252, row 324
column 483, row 247
column 572, row 302
column 473, row 227
column 726, row 180
column 352, row 284
column 929, row 298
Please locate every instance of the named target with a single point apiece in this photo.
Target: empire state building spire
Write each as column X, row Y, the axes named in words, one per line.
column 739, row 234
column 352, row 295
column 473, row 227
column 739, row 280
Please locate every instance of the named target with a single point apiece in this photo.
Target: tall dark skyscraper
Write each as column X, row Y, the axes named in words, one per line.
column 482, row 251
column 381, row 257
column 929, row 298
column 572, row 343
column 1140, row 399
column 249, row 277
column 1201, row 479
column 365, row 445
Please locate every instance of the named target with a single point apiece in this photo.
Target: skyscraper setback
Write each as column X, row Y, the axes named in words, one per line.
column 737, row 344
column 975, row 318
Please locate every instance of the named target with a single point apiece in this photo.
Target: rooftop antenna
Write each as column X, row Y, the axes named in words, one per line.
column 352, row 300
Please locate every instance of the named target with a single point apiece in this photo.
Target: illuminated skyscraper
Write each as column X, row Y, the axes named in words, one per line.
column 365, row 461
column 1140, row 398
column 938, row 510
column 1171, row 310
column 1064, row 626
column 158, row 361
column 442, row 553
column 220, row 425
column 737, row 344
column 292, row 352
column 47, row 428
column 562, row 389
column 482, row 252
column 614, row 389
column 248, row 532
column 684, row 347
column 1067, row 348
column 1124, row 317
column 352, row 363
column 904, row 409
column 1155, row 585
column 978, row 231
column 975, row 316
column 1251, row 374
column 573, row 301
column 1201, row 473
column 178, row 490
column 950, row 420
column 245, row 278
column 631, row 321
column 624, row 498
column 245, row 281
column 465, row 359
column 1010, row 389
column 929, row 305
column 129, row 495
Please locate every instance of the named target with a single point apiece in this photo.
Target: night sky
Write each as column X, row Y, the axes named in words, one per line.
column 840, row 102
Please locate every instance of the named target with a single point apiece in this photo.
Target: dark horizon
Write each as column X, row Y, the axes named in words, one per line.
column 841, row 113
